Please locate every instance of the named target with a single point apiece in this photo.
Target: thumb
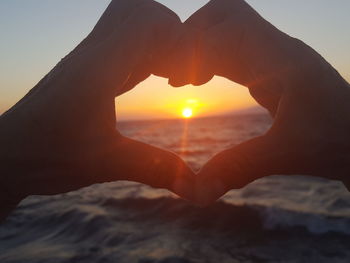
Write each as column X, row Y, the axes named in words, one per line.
column 139, row 162
column 236, row 167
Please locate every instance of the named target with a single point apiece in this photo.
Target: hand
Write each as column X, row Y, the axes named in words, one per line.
column 62, row 135
column 306, row 96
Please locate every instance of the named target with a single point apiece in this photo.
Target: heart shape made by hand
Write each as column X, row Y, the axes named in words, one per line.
column 135, row 38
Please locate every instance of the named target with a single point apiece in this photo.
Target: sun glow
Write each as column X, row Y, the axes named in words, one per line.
column 187, row 113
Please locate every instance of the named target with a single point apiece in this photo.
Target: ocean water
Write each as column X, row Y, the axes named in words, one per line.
column 275, row 219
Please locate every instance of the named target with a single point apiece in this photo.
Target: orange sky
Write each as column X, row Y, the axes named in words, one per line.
column 159, row 100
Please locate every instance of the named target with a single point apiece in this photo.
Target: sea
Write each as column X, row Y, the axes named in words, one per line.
column 275, row 219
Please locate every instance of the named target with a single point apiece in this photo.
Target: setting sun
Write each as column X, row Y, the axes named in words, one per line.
column 187, row 113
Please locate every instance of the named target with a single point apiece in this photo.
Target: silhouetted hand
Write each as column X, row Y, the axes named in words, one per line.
column 62, row 135
column 307, row 97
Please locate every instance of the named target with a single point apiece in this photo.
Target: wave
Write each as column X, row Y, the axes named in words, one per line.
column 218, row 217
column 110, row 226
column 199, row 141
column 276, row 218
column 88, row 219
column 232, row 217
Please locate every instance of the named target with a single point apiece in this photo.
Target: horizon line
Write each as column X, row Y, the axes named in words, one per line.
column 245, row 111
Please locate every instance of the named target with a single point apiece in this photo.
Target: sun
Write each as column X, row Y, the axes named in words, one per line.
column 187, row 113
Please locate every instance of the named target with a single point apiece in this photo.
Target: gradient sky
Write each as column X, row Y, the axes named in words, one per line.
column 36, row 34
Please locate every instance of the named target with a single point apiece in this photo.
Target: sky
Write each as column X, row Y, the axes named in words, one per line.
column 36, row 34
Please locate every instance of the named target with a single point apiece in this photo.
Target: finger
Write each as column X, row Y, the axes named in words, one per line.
column 165, row 38
column 268, row 98
column 137, row 76
column 218, row 41
column 141, row 45
column 211, row 52
column 139, row 162
column 215, row 12
column 241, row 46
column 236, row 167
column 189, row 62
column 158, row 29
column 114, row 16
